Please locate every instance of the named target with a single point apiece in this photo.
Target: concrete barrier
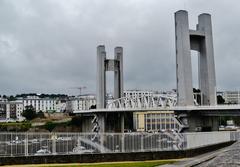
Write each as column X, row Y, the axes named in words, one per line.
column 195, row 140
column 111, row 157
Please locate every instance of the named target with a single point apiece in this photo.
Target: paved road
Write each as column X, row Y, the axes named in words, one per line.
column 228, row 158
column 225, row 157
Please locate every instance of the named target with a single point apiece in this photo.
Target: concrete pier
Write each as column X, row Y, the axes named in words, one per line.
column 101, row 77
column 183, row 60
column 118, row 73
column 200, row 40
column 103, row 65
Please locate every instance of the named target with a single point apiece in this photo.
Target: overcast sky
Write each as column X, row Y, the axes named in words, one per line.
column 49, row 46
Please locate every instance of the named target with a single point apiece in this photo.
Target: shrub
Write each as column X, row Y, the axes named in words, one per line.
column 76, row 120
column 29, row 113
column 50, row 126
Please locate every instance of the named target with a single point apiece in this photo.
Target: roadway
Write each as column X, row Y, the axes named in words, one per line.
column 217, row 110
column 228, row 156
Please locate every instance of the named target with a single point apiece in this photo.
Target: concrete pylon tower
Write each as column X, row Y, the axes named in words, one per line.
column 200, row 40
column 103, row 65
column 118, row 73
column 101, row 77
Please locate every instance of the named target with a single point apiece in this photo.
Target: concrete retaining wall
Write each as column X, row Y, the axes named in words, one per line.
column 195, row 140
column 86, row 158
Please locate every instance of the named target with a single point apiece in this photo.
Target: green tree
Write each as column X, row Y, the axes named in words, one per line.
column 77, row 120
column 93, row 107
column 198, row 95
column 50, row 126
column 196, row 90
column 11, row 98
column 40, row 114
column 220, row 100
column 29, row 113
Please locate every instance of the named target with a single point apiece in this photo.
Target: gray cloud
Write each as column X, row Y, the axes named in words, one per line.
column 50, row 45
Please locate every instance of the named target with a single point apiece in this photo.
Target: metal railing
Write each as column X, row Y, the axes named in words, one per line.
column 26, row 144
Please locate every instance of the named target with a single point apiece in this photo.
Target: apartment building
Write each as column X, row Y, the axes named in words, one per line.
column 231, row 97
column 11, row 111
column 154, row 121
column 44, row 104
column 83, row 102
column 136, row 93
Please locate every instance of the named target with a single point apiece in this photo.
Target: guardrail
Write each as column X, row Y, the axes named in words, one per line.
column 37, row 144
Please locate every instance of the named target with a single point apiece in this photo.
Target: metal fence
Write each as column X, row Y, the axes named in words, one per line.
column 25, row 144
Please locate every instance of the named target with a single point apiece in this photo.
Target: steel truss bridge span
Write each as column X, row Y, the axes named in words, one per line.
column 217, row 109
column 161, row 101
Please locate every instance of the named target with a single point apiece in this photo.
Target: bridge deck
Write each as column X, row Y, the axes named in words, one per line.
column 176, row 108
column 217, row 110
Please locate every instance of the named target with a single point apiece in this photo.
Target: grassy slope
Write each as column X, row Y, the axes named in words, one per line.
column 116, row 164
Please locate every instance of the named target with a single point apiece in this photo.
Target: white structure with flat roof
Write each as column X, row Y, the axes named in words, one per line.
column 11, row 111
column 79, row 103
column 136, row 93
column 231, row 97
column 44, row 104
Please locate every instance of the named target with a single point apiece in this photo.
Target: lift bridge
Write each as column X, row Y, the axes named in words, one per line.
column 188, row 118
column 187, row 113
column 110, row 116
column 164, row 102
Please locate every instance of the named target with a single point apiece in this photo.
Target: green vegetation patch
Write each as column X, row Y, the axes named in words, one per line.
column 118, row 164
column 50, row 125
column 15, row 126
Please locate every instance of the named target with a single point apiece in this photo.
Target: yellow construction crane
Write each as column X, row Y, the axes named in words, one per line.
column 80, row 88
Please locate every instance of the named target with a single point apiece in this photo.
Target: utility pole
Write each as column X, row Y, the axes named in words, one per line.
column 80, row 88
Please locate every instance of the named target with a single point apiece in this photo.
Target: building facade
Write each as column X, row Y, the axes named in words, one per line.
column 44, row 104
column 231, row 97
column 154, row 121
column 83, row 102
column 11, row 111
column 137, row 93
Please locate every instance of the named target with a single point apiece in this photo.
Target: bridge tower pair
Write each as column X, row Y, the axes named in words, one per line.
column 200, row 40
column 103, row 65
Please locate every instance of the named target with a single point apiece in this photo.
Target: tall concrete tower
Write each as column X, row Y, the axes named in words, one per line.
column 104, row 65
column 200, row 40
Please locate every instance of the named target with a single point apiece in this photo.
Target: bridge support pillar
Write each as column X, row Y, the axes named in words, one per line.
column 196, row 122
column 122, row 132
column 104, row 65
column 122, row 122
column 101, row 77
column 183, row 60
column 101, row 121
column 26, row 145
column 118, row 73
column 200, row 40
column 212, row 122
